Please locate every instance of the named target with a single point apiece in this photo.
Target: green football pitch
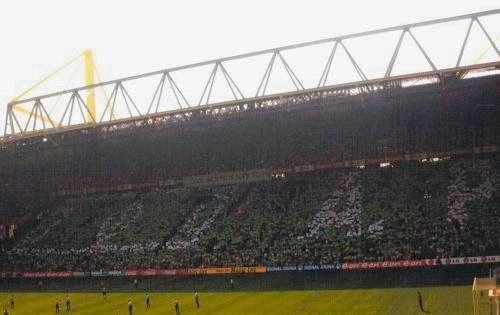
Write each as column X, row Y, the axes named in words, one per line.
column 437, row 300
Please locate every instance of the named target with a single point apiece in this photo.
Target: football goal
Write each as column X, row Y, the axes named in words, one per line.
column 486, row 296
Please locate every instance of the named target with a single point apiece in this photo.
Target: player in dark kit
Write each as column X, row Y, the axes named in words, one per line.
column 420, row 302
column 103, row 293
column 129, row 307
column 11, row 302
column 68, row 303
column 177, row 307
column 148, row 306
column 57, row 306
column 197, row 299
column 232, row 284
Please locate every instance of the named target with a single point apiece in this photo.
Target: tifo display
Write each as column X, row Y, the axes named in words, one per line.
column 406, row 214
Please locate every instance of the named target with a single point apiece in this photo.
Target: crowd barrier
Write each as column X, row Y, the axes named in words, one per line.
column 261, row 269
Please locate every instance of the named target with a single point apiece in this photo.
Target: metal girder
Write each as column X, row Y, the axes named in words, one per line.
column 361, row 89
column 488, row 36
column 460, row 55
column 105, row 113
column 326, row 69
column 395, row 54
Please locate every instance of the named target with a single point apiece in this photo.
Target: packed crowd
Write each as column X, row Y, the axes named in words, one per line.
column 404, row 210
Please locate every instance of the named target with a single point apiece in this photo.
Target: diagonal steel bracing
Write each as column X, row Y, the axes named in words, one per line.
column 75, row 112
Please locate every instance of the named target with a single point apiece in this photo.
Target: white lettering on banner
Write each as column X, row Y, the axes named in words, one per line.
column 304, row 168
column 288, row 268
column 469, row 260
column 338, row 266
column 420, row 263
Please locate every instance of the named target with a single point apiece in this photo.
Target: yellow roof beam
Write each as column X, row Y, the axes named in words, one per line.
column 89, row 80
column 90, row 74
column 46, row 78
column 21, row 109
column 496, row 40
column 96, row 72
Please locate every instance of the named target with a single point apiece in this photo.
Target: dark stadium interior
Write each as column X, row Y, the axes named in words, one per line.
column 298, row 130
column 128, row 198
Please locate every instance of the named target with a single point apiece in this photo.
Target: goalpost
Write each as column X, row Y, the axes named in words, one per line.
column 485, row 296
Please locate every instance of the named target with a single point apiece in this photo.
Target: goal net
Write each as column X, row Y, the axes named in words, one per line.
column 486, row 296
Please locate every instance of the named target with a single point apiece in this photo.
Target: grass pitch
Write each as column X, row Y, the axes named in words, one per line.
column 438, row 300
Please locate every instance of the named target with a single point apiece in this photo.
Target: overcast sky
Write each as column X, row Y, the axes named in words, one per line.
column 131, row 37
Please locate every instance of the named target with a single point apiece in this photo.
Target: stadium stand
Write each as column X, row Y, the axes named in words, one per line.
column 404, row 210
column 398, row 174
